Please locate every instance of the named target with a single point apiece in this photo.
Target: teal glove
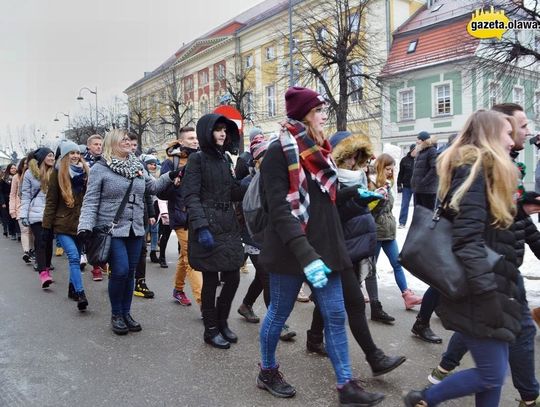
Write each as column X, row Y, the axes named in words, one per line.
column 316, row 272
column 25, row 222
column 367, row 196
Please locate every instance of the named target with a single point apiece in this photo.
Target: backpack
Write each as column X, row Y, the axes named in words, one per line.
column 255, row 216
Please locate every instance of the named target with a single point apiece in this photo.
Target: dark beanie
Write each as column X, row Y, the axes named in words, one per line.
column 423, row 135
column 41, row 153
column 338, row 137
column 299, row 101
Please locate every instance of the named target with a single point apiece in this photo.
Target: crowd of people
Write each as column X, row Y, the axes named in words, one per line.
column 327, row 211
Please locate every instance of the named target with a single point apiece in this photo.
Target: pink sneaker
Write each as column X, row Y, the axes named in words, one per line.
column 411, row 299
column 97, row 275
column 45, row 278
column 181, row 297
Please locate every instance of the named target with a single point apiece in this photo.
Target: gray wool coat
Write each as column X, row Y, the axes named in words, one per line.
column 32, row 201
column 104, row 194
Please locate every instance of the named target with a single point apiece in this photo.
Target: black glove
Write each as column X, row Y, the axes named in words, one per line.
column 84, row 236
column 491, row 309
column 174, row 174
column 46, row 234
column 399, row 189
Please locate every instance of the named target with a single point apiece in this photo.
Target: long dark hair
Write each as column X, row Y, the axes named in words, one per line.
column 7, row 174
column 20, row 166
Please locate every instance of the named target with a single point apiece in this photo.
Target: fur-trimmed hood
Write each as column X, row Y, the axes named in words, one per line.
column 33, row 167
column 349, row 146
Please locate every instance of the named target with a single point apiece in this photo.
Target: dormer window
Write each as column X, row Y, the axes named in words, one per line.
column 412, row 46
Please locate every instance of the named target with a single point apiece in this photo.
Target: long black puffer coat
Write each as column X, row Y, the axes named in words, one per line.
column 210, row 189
column 472, row 231
column 424, row 179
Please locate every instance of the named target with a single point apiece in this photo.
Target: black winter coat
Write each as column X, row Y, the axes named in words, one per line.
column 287, row 249
column 406, row 166
column 359, row 227
column 424, row 179
column 209, row 190
column 472, row 231
column 175, row 202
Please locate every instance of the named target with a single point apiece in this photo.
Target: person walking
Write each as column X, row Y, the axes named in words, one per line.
column 406, row 166
column 304, row 240
column 67, row 185
column 478, row 180
column 27, row 239
column 110, row 178
column 424, row 178
column 5, row 194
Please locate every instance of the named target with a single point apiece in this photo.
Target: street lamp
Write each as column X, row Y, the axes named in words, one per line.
column 56, row 119
column 95, row 93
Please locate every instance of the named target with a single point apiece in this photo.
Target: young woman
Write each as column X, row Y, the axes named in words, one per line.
column 215, row 245
column 304, row 240
column 109, row 180
column 67, row 186
column 5, row 191
column 479, row 178
column 386, row 230
column 150, row 164
column 27, row 239
column 33, row 192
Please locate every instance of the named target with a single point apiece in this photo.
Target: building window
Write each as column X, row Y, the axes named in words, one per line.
column 356, row 82
column 320, row 87
column 537, row 43
column 518, row 95
column 443, row 99
column 322, row 34
column 412, row 46
column 249, row 105
column 249, row 61
column 270, row 53
column 537, row 105
column 203, row 77
column 203, row 107
column 188, row 84
column 406, row 105
column 189, row 114
column 220, row 72
column 354, row 22
column 494, row 94
column 271, row 100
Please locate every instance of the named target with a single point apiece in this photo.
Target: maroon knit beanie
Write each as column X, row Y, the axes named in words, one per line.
column 299, row 101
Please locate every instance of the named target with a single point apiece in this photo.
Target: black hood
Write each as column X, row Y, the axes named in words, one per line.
column 206, row 140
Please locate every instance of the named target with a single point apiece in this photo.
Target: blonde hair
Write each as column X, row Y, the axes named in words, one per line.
column 110, row 143
column 383, row 161
column 479, row 145
column 64, row 180
column 44, row 175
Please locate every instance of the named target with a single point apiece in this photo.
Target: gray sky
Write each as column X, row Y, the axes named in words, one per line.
column 49, row 49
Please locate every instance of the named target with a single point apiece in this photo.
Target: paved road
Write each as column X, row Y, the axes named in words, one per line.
column 52, row 355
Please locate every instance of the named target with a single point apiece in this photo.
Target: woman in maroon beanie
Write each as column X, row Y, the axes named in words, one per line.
column 303, row 240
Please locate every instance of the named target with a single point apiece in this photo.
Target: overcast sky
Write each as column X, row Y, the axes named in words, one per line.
column 49, row 49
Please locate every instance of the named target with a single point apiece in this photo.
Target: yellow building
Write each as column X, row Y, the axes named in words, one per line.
column 247, row 59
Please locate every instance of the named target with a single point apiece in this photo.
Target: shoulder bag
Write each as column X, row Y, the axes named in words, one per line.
column 427, row 253
column 98, row 247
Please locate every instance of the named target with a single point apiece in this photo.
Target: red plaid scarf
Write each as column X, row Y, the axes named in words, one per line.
column 301, row 152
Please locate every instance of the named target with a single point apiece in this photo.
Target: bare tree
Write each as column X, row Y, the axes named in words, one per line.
column 333, row 45
column 239, row 88
column 115, row 115
column 140, row 119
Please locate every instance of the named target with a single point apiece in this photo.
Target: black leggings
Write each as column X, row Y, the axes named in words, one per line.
column 260, row 283
column 164, row 234
column 42, row 247
column 140, row 271
column 211, row 279
column 355, row 307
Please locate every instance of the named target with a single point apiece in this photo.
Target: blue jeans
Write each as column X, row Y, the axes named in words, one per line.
column 73, row 253
column 391, row 250
column 125, row 252
column 521, row 354
column 283, row 292
column 485, row 380
column 406, row 196
column 154, row 236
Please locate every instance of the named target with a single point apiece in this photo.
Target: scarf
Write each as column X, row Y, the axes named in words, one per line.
column 351, row 178
column 129, row 168
column 301, row 153
column 78, row 178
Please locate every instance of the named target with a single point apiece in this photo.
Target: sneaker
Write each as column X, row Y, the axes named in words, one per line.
column 437, row 376
column 45, row 278
column 163, row 263
column 83, row 262
column 272, row 381
column 181, row 297
column 26, row 257
column 97, row 274
column 247, row 312
column 400, row 226
column 141, row 289
column 287, row 334
column 414, row 399
column 59, row 251
column 534, row 403
column 302, row 296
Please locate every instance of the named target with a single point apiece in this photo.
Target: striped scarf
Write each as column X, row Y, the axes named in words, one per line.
column 317, row 160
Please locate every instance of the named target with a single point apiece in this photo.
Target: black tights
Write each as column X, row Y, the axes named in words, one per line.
column 42, row 247
column 355, row 307
column 164, row 234
column 260, row 283
column 211, row 279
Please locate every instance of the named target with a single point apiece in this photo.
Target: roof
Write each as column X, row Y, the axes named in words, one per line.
column 441, row 37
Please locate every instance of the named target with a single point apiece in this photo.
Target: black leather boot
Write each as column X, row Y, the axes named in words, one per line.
column 132, row 325
column 272, row 380
column 378, row 314
column 153, row 257
column 423, row 331
column 223, row 310
column 118, row 325
column 212, row 336
column 82, row 302
column 352, row 394
column 163, row 263
column 315, row 343
column 381, row 364
column 72, row 293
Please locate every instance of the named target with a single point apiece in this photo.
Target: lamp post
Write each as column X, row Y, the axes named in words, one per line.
column 291, row 69
column 95, row 93
column 56, row 119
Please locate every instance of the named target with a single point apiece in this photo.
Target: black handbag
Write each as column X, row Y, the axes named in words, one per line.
column 98, row 247
column 427, row 254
